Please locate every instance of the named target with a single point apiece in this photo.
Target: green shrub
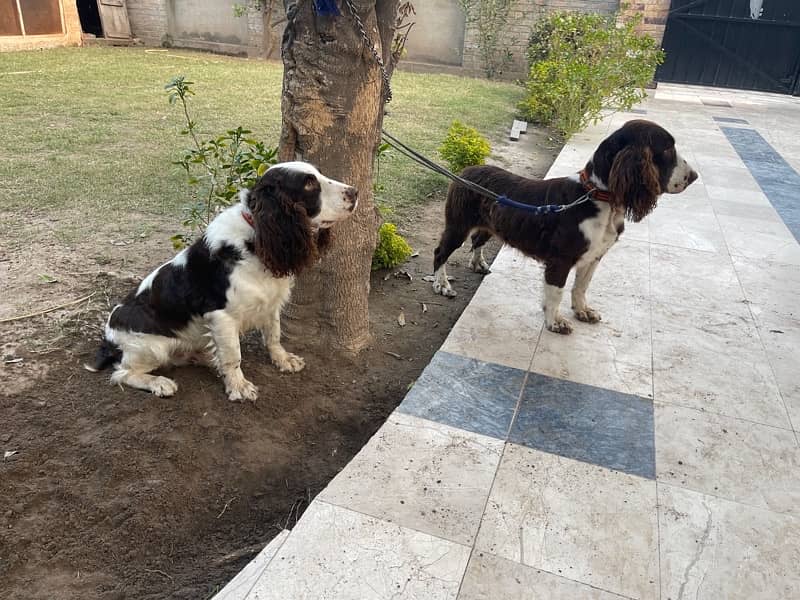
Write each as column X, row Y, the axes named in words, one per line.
column 581, row 64
column 216, row 168
column 463, row 147
column 391, row 250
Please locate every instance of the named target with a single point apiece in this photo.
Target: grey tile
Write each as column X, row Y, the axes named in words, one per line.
column 776, row 177
column 730, row 120
column 587, row 423
column 466, row 393
column 712, row 102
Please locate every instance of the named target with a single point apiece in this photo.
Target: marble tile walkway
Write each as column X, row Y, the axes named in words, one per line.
column 653, row 455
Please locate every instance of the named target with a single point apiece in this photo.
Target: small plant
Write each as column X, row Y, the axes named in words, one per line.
column 216, row 168
column 581, row 64
column 463, row 147
column 391, row 250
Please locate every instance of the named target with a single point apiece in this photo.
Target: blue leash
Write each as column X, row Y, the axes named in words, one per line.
column 498, row 198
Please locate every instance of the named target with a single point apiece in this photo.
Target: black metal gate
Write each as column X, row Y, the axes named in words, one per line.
column 744, row 44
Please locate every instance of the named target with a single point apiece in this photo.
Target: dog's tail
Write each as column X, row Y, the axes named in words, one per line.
column 107, row 354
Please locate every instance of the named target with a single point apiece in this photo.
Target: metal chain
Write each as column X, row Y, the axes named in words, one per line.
column 368, row 43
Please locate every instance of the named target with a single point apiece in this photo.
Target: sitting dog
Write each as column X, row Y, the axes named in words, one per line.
column 624, row 178
column 235, row 278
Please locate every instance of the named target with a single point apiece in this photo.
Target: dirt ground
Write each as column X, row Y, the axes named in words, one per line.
column 113, row 493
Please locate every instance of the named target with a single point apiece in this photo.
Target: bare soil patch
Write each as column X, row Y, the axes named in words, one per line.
column 114, row 493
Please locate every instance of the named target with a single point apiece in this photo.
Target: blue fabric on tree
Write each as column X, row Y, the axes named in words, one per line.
column 327, row 8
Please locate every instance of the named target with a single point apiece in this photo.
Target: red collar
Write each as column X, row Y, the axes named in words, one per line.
column 595, row 192
column 249, row 218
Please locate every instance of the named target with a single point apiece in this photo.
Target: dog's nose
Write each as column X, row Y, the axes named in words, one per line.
column 351, row 194
column 692, row 177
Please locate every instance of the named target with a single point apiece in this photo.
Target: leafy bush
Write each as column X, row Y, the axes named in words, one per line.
column 581, row 64
column 216, row 168
column 391, row 250
column 463, row 147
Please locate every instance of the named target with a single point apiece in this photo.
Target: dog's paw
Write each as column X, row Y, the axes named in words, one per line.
column 243, row 390
column 561, row 326
column 444, row 290
column 588, row 315
column 480, row 266
column 289, row 363
column 163, row 387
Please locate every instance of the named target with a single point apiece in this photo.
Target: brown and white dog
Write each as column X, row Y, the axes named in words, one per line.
column 235, row 278
column 625, row 176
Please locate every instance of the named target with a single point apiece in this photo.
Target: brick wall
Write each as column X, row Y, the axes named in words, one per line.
column 655, row 16
column 522, row 15
column 150, row 23
column 149, row 20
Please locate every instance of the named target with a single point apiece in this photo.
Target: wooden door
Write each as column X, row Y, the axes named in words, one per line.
column 114, row 17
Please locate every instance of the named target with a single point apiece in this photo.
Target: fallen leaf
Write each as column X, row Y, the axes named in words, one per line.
column 401, row 319
column 404, row 274
column 9, row 454
column 415, row 255
column 424, row 307
column 13, row 361
column 386, row 277
column 428, row 278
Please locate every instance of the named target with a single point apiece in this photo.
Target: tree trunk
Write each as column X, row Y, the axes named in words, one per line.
column 332, row 114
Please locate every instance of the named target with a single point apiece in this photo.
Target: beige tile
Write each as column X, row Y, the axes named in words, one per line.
column 733, row 459
column 677, row 228
column 421, row 475
column 575, row 520
column 759, row 239
column 615, row 354
column 713, row 549
column 245, row 580
column 492, row 578
column 337, row 554
column 714, row 362
column 494, row 329
column 770, row 286
column 702, row 280
column 781, row 338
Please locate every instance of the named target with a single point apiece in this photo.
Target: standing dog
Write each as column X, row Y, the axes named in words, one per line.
column 236, row 277
column 626, row 175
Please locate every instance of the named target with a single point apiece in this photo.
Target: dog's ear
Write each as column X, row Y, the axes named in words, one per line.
column 633, row 181
column 284, row 240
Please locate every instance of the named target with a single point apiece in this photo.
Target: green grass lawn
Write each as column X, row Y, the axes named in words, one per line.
column 91, row 129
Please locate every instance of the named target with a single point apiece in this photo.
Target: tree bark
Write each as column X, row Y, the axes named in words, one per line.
column 332, row 110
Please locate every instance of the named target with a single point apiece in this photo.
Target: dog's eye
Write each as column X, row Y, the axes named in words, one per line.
column 310, row 185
